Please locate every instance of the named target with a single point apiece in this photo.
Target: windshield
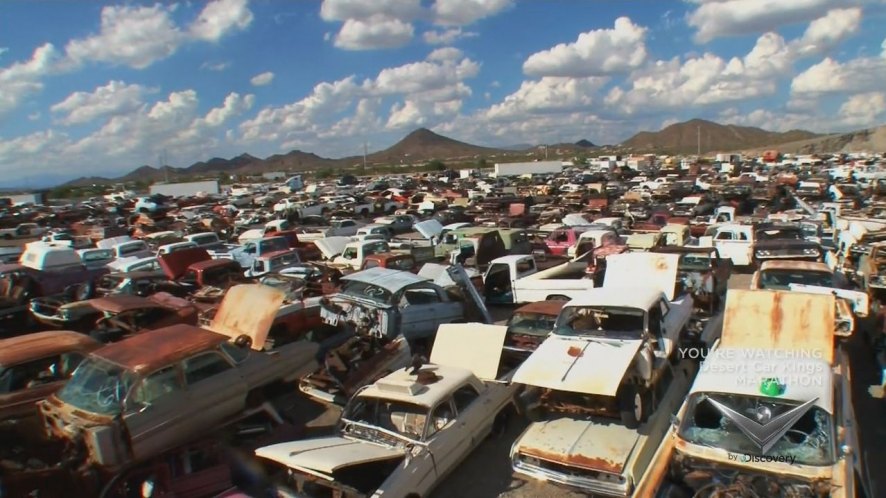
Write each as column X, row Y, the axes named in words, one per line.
column 98, row 386
column 537, row 324
column 781, row 279
column 599, row 321
column 274, row 244
column 405, row 419
column 367, row 291
column 810, row 440
column 690, row 262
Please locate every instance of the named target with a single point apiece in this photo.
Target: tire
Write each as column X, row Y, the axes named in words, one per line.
column 500, row 424
column 634, row 405
column 85, row 291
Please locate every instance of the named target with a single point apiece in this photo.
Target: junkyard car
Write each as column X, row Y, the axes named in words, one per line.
column 122, row 313
column 872, row 268
column 134, row 399
column 32, row 367
column 403, row 434
column 815, row 278
column 614, row 343
column 388, row 303
column 776, row 354
column 778, row 241
column 703, row 273
column 528, row 327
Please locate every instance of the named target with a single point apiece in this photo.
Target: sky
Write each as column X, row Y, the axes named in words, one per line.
column 91, row 88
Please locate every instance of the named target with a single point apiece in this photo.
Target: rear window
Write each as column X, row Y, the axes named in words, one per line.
column 127, row 249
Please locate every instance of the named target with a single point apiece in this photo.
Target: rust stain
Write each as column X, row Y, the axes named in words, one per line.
column 777, row 316
column 574, row 351
column 580, row 461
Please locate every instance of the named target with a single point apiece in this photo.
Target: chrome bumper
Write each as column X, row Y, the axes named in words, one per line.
column 582, row 483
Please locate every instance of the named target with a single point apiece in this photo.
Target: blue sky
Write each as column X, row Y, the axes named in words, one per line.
column 88, row 88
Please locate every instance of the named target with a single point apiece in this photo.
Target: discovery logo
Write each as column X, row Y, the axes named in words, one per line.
column 746, row 458
column 764, row 429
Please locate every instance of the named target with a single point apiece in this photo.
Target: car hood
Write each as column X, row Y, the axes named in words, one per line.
column 332, row 246
column 785, row 244
column 585, row 444
column 327, row 454
column 589, row 366
column 428, row 228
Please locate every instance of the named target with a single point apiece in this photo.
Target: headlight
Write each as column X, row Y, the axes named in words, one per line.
column 811, row 251
column 763, row 253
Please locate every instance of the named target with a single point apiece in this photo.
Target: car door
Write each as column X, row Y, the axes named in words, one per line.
column 445, row 445
column 215, row 388
column 157, row 411
column 24, row 384
column 727, row 242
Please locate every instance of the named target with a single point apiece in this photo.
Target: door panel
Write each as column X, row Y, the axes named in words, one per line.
column 156, row 410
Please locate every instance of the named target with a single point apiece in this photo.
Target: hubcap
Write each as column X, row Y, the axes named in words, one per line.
column 638, row 406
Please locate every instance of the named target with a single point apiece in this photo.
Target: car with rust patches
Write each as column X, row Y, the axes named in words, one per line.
column 402, row 435
column 391, row 260
column 703, row 273
column 32, row 367
column 779, row 241
column 615, row 343
column 528, row 327
column 111, row 317
column 815, row 278
column 137, row 398
column 775, row 361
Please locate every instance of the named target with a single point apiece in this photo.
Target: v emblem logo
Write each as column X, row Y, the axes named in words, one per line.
column 767, row 433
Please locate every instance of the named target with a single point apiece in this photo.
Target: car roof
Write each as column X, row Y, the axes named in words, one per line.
column 386, row 278
column 396, row 385
column 42, row 344
column 543, row 307
column 151, row 350
column 627, row 297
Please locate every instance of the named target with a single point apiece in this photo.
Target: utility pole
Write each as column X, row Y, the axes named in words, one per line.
column 698, row 133
column 364, row 157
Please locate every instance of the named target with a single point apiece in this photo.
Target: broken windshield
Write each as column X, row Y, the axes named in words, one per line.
column 808, row 442
column 615, row 322
column 367, row 291
column 98, row 386
column 405, row 419
column 538, row 324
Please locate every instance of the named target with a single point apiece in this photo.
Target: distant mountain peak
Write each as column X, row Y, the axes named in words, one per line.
column 585, row 143
column 690, row 136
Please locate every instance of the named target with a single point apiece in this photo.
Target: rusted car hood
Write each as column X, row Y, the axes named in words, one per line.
column 176, row 263
column 584, row 444
column 327, row 454
column 589, row 366
column 248, row 310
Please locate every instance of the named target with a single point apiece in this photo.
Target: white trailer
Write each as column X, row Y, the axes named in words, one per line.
column 208, row 187
column 528, row 168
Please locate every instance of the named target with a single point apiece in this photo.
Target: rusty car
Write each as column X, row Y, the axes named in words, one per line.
column 137, row 398
column 528, row 327
column 782, row 342
column 703, row 273
column 401, row 435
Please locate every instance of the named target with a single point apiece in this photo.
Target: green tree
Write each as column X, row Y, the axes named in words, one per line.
column 435, row 165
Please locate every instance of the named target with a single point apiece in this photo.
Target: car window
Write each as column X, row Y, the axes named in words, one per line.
column 724, row 236
column 204, row 366
column 742, row 236
column 420, row 296
column 440, row 417
column 235, row 353
column 464, row 396
column 31, row 374
column 160, row 383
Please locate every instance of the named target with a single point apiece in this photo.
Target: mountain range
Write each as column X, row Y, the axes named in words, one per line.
column 422, row 145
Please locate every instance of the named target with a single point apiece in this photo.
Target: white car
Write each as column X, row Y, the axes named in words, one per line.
column 403, row 434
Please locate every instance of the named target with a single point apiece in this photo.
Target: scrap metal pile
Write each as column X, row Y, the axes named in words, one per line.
column 156, row 346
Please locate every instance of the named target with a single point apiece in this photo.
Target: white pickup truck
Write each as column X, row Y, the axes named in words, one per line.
column 343, row 252
column 517, row 280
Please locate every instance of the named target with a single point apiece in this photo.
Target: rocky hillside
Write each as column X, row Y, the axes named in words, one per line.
column 684, row 138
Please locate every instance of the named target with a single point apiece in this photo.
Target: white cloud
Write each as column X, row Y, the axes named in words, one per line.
column 829, row 76
column 718, row 18
column 595, row 53
column 463, row 12
column 446, row 37
column 423, row 92
column 220, row 17
column 342, row 10
column 217, row 66
column 864, row 109
column 114, row 98
column 34, row 116
column 375, row 32
column 23, row 79
column 138, row 36
column 828, row 31
column 3, row 50
column 262, row 79
column 234, row 105
column 129, row 35
column 548, row 95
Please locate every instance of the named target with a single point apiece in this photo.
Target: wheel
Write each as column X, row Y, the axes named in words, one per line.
column 634, row 405
column 500, row 424
column 85, row 291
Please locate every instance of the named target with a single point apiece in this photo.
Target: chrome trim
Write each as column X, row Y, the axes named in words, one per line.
column 583, row 483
